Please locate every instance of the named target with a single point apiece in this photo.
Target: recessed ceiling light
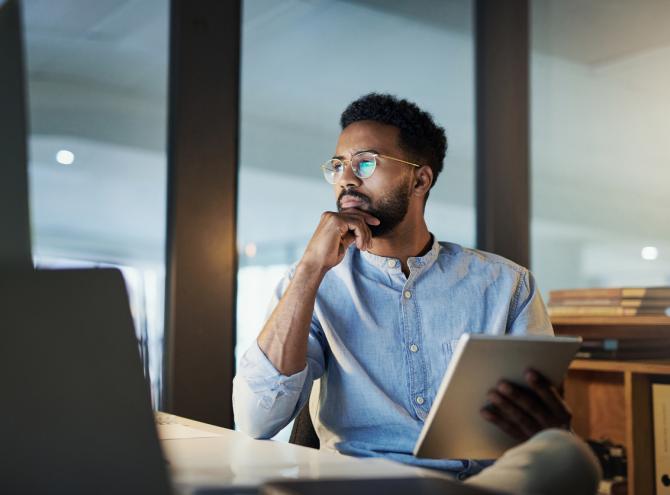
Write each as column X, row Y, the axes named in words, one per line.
column 65, row 157
column 649, row 253
column 250, row 250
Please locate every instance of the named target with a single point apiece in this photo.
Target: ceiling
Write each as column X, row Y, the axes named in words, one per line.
column 599, row 32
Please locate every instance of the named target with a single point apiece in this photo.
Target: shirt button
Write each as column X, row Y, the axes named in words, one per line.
column 414, row 348
column 408, row 294
column 420, row 400
column 391, row 263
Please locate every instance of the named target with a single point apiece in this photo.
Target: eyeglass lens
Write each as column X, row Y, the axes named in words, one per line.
column 363, row 165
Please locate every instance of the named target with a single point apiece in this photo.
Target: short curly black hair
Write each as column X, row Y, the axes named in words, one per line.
column 420, row 136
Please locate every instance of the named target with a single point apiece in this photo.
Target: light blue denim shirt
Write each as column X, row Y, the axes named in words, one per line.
column 380, row 342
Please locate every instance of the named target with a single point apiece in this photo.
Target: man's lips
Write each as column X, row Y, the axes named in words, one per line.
column 351, row 202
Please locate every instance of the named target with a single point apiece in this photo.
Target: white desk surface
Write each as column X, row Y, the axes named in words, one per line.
column 204, row 455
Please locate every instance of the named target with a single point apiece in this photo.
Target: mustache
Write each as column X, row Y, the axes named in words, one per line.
column 353, row 194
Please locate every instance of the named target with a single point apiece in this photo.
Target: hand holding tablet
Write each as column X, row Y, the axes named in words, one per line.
column 524, row 410
column 456, row 428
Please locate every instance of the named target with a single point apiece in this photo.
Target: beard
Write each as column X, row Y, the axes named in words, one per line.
column 390, row 209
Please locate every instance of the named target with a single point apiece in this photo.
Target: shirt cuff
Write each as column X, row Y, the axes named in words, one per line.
column 265, row 381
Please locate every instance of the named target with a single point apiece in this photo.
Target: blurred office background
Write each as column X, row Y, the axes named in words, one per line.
column 97, row 74
column 97, row 86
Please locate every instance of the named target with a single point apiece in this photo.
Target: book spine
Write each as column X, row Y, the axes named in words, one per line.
column 606, row 311
column 660, row 394
column 586, row 294
column 585, row 302
column 590, row 311
column 646, row 303
column 646, row 293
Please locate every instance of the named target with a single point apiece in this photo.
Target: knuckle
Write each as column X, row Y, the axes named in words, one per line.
column 497, row 399
column 507, row 389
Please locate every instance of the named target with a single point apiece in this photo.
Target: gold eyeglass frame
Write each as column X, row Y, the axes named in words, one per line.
column 375, row 155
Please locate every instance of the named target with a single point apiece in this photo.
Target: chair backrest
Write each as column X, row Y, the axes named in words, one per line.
column 303, row 432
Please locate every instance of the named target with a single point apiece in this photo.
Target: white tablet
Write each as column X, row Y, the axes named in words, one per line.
column 454, row 428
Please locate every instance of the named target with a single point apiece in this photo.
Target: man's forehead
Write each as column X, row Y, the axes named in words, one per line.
column 367, row 135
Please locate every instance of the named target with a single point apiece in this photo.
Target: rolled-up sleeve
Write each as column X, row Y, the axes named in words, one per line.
column 528, row 314
column 264, row 400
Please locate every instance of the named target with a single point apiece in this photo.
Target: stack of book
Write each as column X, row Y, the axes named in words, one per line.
column 650, row 301
column 615, row 302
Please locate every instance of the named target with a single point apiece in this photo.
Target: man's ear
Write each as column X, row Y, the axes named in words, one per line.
column 423, row 179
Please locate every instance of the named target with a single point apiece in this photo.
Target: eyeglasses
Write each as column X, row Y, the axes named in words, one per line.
column 363, row 165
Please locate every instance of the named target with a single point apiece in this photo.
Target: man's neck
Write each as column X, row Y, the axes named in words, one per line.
column 405, row 241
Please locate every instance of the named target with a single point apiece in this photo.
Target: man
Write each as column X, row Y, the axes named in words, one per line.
column 375, row 305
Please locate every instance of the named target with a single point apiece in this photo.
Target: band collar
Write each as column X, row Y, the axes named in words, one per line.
column 393, row 264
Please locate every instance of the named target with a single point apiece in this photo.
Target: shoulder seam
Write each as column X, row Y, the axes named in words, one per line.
column 495, row 259
column 517, row 293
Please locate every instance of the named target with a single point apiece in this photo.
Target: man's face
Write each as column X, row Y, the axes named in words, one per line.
column 386, row 194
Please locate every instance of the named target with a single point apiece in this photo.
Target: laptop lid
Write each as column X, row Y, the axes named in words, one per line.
column 14, row 218
column 75, row 415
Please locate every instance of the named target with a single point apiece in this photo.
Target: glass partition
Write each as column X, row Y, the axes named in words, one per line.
column 600, row 92
column 97, row 84
column 302, row 64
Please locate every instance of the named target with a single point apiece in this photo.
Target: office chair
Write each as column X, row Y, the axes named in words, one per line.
column 303, row 432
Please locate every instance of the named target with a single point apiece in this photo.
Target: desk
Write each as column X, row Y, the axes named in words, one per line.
column 204, row 455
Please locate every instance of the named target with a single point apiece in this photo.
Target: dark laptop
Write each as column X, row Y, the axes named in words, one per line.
column 75, row 414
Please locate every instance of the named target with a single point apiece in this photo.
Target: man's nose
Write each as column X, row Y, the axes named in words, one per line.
column 348, row 178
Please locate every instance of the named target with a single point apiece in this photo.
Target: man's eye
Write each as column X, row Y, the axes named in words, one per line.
column 334, row 166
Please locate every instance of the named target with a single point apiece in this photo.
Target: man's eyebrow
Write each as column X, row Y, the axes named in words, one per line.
column 340, row 157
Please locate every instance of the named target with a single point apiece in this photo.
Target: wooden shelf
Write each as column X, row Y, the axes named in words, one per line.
column 612, row 399
column 616, row 327
column 656, row 367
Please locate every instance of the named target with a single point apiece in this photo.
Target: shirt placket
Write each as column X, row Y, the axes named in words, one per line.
column 416, row 356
